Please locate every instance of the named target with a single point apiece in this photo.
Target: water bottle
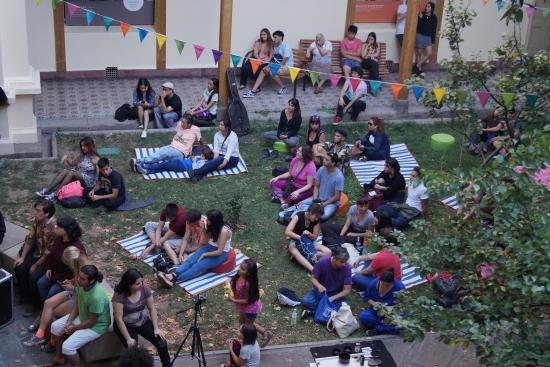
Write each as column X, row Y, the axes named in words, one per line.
column 294, row 316
column 358, row 244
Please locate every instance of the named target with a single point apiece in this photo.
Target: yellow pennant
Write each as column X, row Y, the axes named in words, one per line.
column 293, row 73
column 161, row 40
column 37, row 2
column 439, row 93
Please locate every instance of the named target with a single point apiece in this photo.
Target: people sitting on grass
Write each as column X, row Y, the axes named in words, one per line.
column 358, row 226
column 83, row 168
column 207, row 257
column 144, row 98
column 31, row 263
column 135, row 314
column 109, row 191
column 303, row 232
column 353, row 97
column 490, row 128
column 207, row 108
column 331, row 274
column 315, row 134
column 246, row 297
column 380, row 291
column 167, row 232
column 350, row 48
column 297, row 184
column 168, row 107
column 289, row 125
column 372, row 265
column 226, row 153
column 60, row 304
column 179, row 164
column 263, row 51
column 244, row 350
column 375, row 146
column 195, row 237
column 328, row 186
column 181, row 146
column 370, row 54
column 390, row 182
column 88, row 320
column 337, row 146
column 320, row 54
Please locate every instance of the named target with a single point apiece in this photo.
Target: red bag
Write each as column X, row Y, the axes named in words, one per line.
column 228, row 265
column 70, row 190
column 375, row 199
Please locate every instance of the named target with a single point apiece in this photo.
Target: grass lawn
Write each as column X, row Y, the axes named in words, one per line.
column 257, row 235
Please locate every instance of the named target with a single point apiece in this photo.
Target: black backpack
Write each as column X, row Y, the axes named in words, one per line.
column 448, row 291
column 162, row 263
column 125, row 112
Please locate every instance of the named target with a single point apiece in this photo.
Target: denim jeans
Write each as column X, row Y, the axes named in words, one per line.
column 47, row 288
column 291, row 141
column 193, row 267
column 371, row 320
column 213, row 164
column 165, row 120
column 175, row 165
column 362, row 281
column 312, row 297
column 398, row 221
column 328, row 210
column 165, row 153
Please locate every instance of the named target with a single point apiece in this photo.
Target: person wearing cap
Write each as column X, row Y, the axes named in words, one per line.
column 168, row 107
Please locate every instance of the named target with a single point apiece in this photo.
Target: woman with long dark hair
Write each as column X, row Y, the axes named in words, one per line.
column 289, row 125
column 390, row 182
column 130, row 300
column 144, row 102
column 207, row 108
column 263, row 51
column 370, row 53
column 315, row 133
column 425, row 37
column 375, row 146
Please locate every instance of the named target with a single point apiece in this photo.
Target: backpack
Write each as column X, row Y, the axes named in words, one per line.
column 287, row 297
column 73, row 202
column 70, row 190
column 162, row 263
column 448, row 291
column 125, row 112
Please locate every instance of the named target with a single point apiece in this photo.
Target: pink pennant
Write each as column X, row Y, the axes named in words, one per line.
column 485, row 2
column 72, row 9
column 198, row 50
column 530, row 11
column 334, row 79
column 483, row 98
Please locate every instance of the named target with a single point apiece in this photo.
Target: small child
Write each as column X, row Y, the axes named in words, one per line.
column 177, row 165
column 207, row 108
column 247, row 297
column 246, row 354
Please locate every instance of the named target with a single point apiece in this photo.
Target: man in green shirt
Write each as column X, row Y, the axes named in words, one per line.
column 88, row 320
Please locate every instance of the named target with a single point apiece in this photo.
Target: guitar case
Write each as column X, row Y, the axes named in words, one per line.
column 236, row 111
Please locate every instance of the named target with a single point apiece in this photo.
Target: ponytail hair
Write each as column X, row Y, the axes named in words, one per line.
column 92, row 273
column 387, row 276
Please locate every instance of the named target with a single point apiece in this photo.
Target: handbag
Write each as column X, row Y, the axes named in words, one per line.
column 342, row 321
column 306, row 248
column 325, row 308
column 72, row 189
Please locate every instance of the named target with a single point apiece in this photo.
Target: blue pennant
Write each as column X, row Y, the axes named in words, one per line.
column 375, row 86
column 142, row 34
column 107, row 22
column 236, row 59
column 89, row 16
column 274, row 68
column 417, row 90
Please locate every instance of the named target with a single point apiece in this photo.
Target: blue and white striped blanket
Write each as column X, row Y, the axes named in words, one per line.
column 367, row 171
column 410, row 276
column 137, row 243
column 144, row 152
column 451, row 201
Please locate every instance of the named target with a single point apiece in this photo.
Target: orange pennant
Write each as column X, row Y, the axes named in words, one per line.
column 396, row 89
column 124, row 28
column 255, row 63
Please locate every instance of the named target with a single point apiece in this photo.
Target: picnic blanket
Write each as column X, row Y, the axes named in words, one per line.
column 451, row 201
column 367, row 171
column 144, row 152
column 137, row 243
column 132, row 204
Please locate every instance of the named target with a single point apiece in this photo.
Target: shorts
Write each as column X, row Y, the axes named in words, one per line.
column 350, row 63
column 250, row 316
column 422, row 41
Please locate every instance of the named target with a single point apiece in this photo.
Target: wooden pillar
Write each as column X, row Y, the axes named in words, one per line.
column 439, row 5
column 407, row 51
column 226, row 20
column 160, row 27
column 350, row 15
column 59, row 37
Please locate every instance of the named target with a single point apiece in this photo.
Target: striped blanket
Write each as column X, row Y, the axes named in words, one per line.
column 144, row 152
column 367, row 171
column 410, row 276
column 451, row 201
column 137, row 243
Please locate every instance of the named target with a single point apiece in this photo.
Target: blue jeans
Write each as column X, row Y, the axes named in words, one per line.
column 362, row 281
column 371, row 320
column 165, row 120
column 213, row 164
column 175, row 165
column 397, row 220
column 291, row 141
column 312, row 297
column 47, row 288
column 193, row 267
column 165, row 153
column 328, row 210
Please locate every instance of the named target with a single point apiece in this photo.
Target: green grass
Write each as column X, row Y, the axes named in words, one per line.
column 257, row 234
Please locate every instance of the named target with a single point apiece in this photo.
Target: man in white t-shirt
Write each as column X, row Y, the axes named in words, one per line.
column 400, row 23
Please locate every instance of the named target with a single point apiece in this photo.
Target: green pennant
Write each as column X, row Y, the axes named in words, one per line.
column 55, row 3
column 545, row 12
column 461, row 96
column 180, row 45
column 531, row 100
column 507, row 99
column 314, row 76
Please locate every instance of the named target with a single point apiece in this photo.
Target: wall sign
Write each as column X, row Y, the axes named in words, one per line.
column 135, row 12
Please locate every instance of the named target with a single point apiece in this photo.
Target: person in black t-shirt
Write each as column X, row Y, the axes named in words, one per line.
column 109, row 191
column 169, row 107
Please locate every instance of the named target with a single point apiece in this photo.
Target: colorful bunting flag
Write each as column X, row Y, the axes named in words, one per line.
column 90, row 15
column 274, row 68
column 485, row 2
column 255, row 64
column 530, row 11
column 235, row 59
column 396, row 89
column 545, row 12
column 107, row 22
column 293, row 73
column 375, row 86
column 354, row 83
column 55, row 3
column 179, row 45
column 124, row 28
column 198, row 50
column 314, row 76
column 500, row 4
column 142, row 34
column 461, row 96
column 216, row 54
column 439, row 94
column 483, row 98
column 531, row 100
column 334, row 79
column 37, row 2
column 161, row 40
column 71, row 8
column 507, row 98
column 417, row 91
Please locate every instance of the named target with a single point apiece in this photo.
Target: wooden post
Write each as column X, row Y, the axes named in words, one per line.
column 160, row 27
column 407, row 51
column 439, row 6
column 226, row 20
column 59, row 36
column 350, row 15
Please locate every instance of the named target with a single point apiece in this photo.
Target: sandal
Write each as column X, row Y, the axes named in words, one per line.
column 164, row 279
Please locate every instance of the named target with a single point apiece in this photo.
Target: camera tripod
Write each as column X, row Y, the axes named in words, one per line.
column 196, row 343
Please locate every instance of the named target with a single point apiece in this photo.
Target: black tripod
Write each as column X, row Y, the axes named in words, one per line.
column 196, row 345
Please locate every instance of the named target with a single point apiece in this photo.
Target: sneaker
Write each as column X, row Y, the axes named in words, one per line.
column 165, row 279
column 35, row 324
column 140, row 126
column 273, row 153
column 50, row 197
column 275, row 200
column 267, row 337
column 265, row 153
column 337, row 121
column 422, row 75
column 250, row 94
column 196, row 179
column 241, row 87
column 100, row 210
column 140, row 169
column 284, row 206
column 305, row 314
column 133, row 163
column 42, row 192
column 144, row 134
column 281, row 92
column 34, row 341
column 191, row 173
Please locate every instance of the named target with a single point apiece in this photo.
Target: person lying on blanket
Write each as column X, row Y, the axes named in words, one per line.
column 207, row 257
column 179, row 164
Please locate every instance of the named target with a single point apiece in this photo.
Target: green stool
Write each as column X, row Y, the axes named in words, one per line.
column 442, row 142
column 280, row 146
column 108, row 152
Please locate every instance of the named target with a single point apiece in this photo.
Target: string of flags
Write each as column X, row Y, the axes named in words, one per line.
column 396, row 88
column 529, row 8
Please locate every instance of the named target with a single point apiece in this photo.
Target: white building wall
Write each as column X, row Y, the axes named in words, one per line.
column 41, row 39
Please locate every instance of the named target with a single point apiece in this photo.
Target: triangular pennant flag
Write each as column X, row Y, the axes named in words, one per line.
column 417, row 91
column 354, row 83
column 396, row 89
column 375, row 86
column 483, row 98
column 274, row 68
column 89, row 16
column 293, row 73
column 161, row 40
column 461, row 96
column 314, row 76
column 37, row 2
column 235, row 59
column 124, row 28
column 107, row 22
column 485, row 2
column 216, row 54
column 507, row 98
column 198, row 50
column 179, row 45
column 142, row 34
column 55, row 3
column 531, row 100
column 255, row 64
column 500, row 4
column 71, row 8
column 545, row 11
column 530, row 11
column 334, row 79
column 439, row 93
